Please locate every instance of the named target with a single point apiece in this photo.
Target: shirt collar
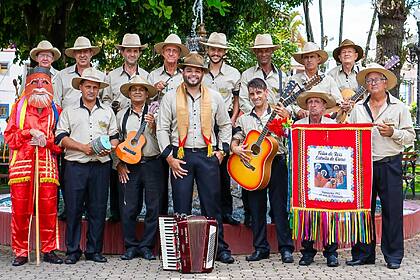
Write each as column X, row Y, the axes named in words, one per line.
column 126, row 73
column 97, row 103
column 177, row 71
column 257, row 67
column 267, row 112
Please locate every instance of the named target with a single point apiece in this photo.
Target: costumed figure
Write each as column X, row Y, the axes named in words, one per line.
column 30, row 136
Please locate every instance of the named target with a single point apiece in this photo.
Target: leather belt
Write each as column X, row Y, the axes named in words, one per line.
column 388, row 159
column 197, row 150
column 147, row 159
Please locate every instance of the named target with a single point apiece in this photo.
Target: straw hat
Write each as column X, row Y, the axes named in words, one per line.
column 217, row 40
column 131, row 41
column 375, row 67
column 90, row 74
column 345, row 44
column 137, row 81
column 328, row 98
column 172, row 39
column 264, row 41
column 310, row 47
column 45, row 45
column 195, row 60
column 82, row 43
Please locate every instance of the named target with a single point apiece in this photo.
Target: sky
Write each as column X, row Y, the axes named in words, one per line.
column 356, row 23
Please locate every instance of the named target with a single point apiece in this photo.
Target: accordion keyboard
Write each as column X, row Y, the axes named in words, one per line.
column 169, row 243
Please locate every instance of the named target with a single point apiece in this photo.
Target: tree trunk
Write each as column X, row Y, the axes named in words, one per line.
column 367, row 48
column 321, row 24
column 308, row 25
column 392, row 15
column 340, row 32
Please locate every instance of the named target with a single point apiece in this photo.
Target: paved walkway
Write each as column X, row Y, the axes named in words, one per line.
column 241, row 269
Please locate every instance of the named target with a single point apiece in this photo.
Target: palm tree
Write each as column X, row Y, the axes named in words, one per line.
column 375, row 14
column 340, row 33
column 321, row 24
column 308, row 26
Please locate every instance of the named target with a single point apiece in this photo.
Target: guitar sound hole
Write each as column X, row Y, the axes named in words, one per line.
column 255, row 149
column 133, row 142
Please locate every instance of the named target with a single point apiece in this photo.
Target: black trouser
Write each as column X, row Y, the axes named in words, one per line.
column 277, row 192
column 387, row 183
column 164, row 196
column 308, row 250
column 113, row 195
column 145, row 176
column 226, row 195
column 86, row 183
column 61, row 169
column 205, row 171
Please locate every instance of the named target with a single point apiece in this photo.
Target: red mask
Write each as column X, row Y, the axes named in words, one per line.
column 39, row 90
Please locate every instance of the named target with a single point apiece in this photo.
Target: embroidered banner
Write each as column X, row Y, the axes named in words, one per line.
column 331, row 182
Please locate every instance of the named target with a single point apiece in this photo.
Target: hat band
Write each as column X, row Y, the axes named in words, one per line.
column 216, row 43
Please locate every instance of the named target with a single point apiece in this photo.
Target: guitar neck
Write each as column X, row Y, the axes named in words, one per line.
column 359, row 93
column 140, row 131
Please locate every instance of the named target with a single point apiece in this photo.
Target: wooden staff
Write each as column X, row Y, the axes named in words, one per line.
column 37, row 206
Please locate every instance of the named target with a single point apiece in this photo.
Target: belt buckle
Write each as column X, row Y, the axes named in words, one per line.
column 194, row 150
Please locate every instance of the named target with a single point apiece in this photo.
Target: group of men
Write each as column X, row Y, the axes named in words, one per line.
column 193, row 115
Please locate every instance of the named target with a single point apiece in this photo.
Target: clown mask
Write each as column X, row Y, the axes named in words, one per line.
column 39, row 90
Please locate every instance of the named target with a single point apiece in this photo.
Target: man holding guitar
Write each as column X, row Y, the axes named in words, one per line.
column 311, row 57
column 316, row 102
column 278, row 185
column 144, row 169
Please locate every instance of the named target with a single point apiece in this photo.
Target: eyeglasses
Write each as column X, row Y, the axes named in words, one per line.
column 376, row 80
column 44, row 55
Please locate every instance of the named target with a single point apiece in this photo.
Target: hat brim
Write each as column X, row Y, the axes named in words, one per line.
column 215, row 45
column 299, row 56
column 275, row 47
column 34, row 52
column 392, row 79
column 125, row 89
column 141, row 47
column 70, row 51
column 183, row 65
column 359, row 50
column 75, row 82
column 159, row 48
column 329, row 100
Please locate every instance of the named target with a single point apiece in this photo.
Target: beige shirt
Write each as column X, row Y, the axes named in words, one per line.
column 115, row 79
column 151, row 147
column 227, row 83
column 64, row 93
column 167, row 125
column 327, row 84
column 251, row 121
column 83, row 126
column 393, row 111
column 272, row 80
column 323, row 120
column 173, row 81
column 342, row 79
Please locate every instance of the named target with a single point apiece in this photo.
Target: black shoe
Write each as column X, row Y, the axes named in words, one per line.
column 146, row 254
column 287, row 257
column 355, row 262
column 130, row 254
column 51, row 257
column 247, row 220
column 305, row 261
column 393, row 265
column 228, row 219
column 332, row 261
column 225, row 257
column 96, row 257
column 18, row 261
column 257, row 256
column 72, row 259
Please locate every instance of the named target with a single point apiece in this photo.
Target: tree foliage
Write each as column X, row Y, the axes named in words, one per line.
column 24, row 23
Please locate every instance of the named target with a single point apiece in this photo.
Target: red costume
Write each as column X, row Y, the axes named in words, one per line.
column 34, row 116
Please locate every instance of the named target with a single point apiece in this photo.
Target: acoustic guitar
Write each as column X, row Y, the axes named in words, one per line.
column 129, row 151
column 350, row 95
column 255, row 174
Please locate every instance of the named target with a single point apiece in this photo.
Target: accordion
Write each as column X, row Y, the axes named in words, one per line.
column 188, row 243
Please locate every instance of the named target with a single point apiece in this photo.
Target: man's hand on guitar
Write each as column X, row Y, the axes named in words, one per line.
column 175, row 165
column 347, row 105
column 242, row 152
column 302, row 114
column 123, row 172
column 282, row 111
column 150, row 119
column 160, row 85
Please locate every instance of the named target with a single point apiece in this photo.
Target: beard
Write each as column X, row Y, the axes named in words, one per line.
column 215, row 59
column 40, row 98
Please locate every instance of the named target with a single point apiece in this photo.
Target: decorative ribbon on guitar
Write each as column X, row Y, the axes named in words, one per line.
column 331, row 186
